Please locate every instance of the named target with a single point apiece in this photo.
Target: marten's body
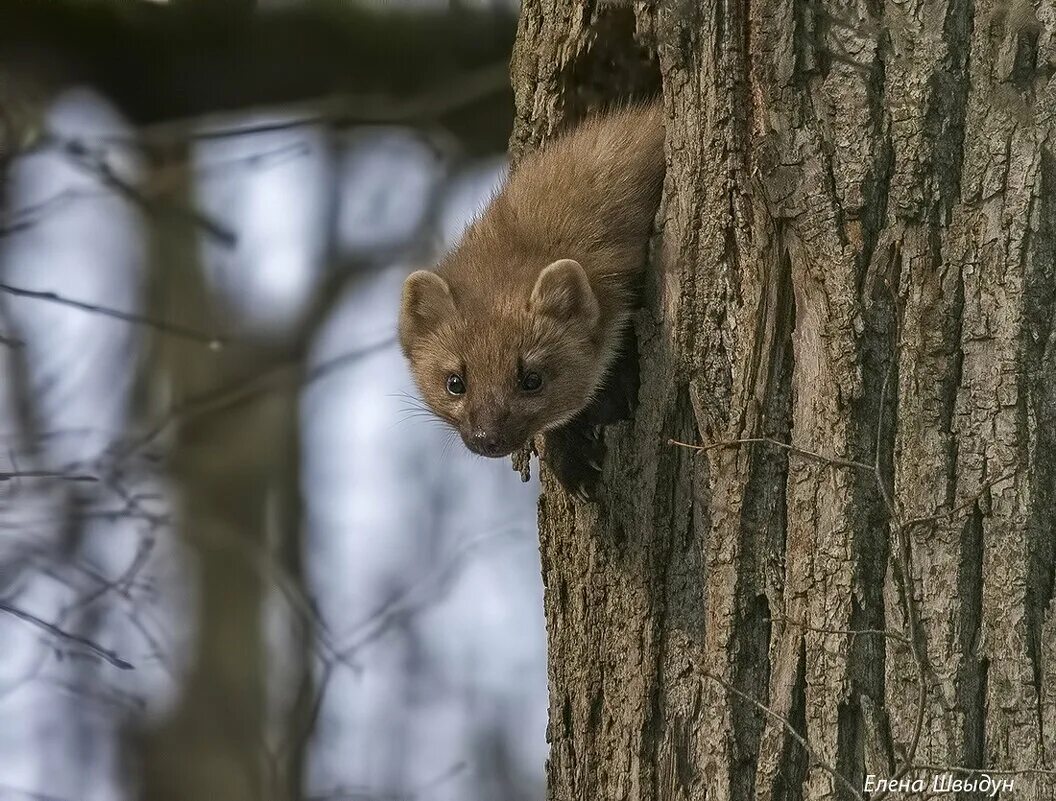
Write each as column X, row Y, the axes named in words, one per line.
column 515, row 332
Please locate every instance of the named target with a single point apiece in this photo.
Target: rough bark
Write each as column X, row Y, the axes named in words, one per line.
column 855, row 258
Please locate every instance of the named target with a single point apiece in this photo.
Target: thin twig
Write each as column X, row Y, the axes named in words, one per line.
column 339, row 111
column 817, row 457
column 991, row 771
column 57, row 474
column 173, row 329
column 799, row 738
column 889, row 502
column 916, row 521
column 159, row 181
column 96, row 163
column 894, row 635
column 244, row 390
column 76, row 639
column 11, row 342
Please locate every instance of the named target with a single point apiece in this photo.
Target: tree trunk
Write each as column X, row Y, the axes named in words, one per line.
column 236, row 732
column 849, row 312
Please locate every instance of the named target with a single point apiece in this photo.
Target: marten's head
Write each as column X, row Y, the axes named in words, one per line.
column 501, row 372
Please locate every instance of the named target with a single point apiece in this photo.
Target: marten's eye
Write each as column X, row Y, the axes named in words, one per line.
column 455, row 385
column 531, row 382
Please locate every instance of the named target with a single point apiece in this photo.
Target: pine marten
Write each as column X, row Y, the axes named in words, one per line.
column 517, row 330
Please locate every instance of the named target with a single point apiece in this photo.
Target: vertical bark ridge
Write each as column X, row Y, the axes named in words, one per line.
column 817, row 194
column 1041, row 355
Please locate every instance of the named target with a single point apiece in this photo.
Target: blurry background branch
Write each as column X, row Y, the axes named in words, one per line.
column 180, row 61
column 81, row 642
column 176, row 172
column 164, row 326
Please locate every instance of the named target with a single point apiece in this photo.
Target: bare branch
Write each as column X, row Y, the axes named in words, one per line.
column 340, row 111
column 160, row 181
column 57, row 474
column 96, row 163
column 16, row 792
column 173, row 329
column 82, row 642
column 245, row 390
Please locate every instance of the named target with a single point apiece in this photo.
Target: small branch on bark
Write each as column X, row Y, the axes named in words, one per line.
column 913, row 637
column 795, row 735
column 736, row 443
column 894, row 635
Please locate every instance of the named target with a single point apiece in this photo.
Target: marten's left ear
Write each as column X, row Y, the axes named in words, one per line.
column 563, row 292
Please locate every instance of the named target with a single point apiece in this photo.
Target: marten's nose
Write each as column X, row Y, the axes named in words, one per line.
column 487, row 443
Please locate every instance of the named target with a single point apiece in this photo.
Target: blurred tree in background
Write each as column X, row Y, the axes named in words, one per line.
column 826, row 546
column 211, row 421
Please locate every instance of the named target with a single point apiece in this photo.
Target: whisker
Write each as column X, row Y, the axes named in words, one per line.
column 412, row 417
column 415, row 414
column 425, row 412
column 419, row 405
column 449, row 440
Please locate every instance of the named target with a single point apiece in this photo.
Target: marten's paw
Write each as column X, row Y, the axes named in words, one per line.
column 574, row 453
column 618, row 395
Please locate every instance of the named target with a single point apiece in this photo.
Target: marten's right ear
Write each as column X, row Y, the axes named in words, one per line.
column 563, row 292
column 426, row 303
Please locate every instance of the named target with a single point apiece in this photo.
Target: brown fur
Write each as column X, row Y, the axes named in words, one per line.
column 498, row 306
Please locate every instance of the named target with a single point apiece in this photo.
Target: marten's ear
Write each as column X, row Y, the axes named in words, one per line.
column 426, row 303
column 563, row 292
